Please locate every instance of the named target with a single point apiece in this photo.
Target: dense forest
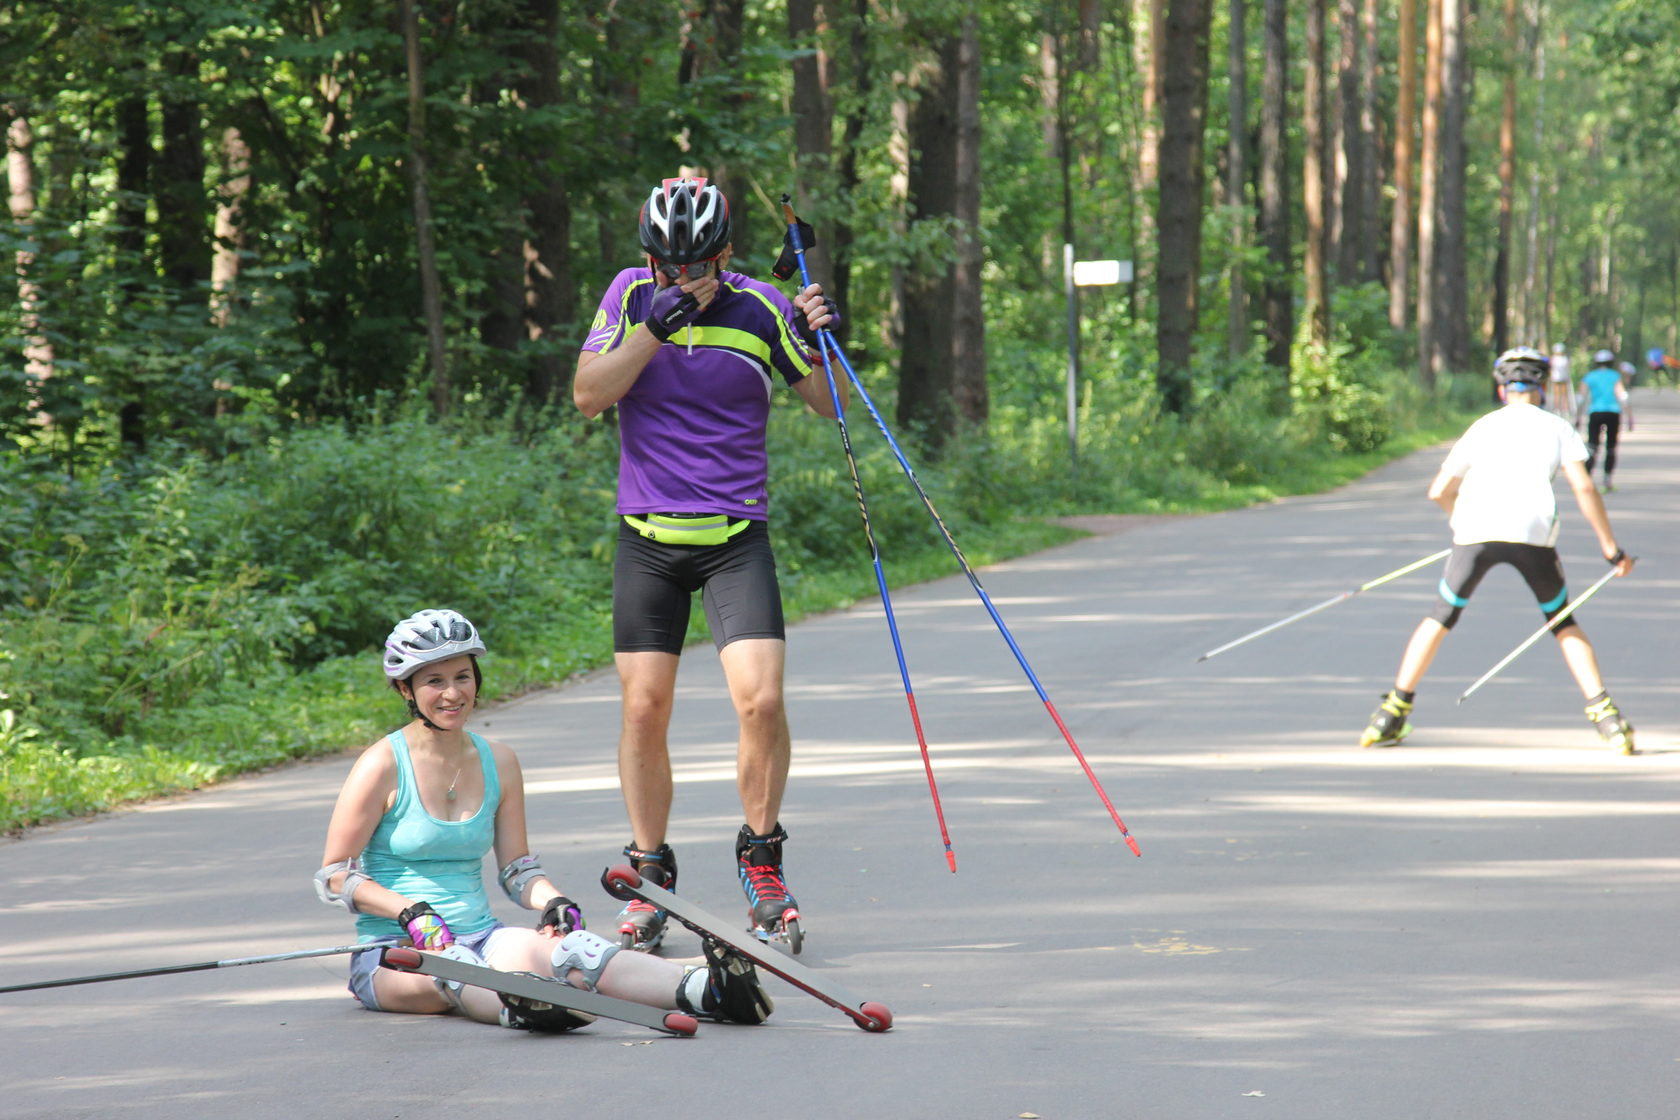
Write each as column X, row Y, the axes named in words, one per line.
column 298, row 285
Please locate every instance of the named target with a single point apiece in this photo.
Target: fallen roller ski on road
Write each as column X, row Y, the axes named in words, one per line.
column 539, row 989
column 625, row 883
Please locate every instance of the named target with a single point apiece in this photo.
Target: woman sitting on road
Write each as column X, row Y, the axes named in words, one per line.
column 405, row 852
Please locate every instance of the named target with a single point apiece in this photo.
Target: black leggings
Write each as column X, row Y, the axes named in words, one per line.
column 1610, row 423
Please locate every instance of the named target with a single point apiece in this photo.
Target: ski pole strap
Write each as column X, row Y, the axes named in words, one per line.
column 686, row 528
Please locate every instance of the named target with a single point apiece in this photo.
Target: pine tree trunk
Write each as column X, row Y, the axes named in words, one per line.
column 968, row 342
column 1452, row 301
column 813, row 131
column 1429, row 172
column 1507, row 185
column 1277, row 295
column 1405, row 131
column 925, row 379
column 431, row 290
column 1184, row 94
column 1315, row 177
column 1236, row 178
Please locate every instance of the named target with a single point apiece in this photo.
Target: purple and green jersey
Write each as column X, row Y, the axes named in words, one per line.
column 692, row 427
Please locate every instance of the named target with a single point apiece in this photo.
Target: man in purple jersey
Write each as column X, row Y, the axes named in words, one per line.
column 690, row 354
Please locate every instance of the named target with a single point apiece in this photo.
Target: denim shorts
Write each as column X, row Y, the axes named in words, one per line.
column 365, row 962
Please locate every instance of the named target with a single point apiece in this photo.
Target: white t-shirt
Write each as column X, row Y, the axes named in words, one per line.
column 1560, row 368
column 1506, row 461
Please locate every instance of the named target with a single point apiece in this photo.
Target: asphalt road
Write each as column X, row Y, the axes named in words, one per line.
column 1477, row 924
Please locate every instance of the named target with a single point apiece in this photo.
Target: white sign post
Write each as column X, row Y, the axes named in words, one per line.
column 1076, row 275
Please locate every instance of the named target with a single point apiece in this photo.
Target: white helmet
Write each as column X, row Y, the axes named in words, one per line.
column 428, row 636
column 1603, row 358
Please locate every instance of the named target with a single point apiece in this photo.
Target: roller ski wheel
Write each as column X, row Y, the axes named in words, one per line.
column 785, row 929
column 1388, row 723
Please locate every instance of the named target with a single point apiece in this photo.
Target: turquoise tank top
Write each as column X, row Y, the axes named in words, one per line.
column 1601, row 389
column 425, row 859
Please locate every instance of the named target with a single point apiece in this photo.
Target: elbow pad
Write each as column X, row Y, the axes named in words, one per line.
column 519, row 874
column 345, row 896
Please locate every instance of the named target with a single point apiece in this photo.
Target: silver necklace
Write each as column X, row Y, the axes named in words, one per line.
column 449, row 794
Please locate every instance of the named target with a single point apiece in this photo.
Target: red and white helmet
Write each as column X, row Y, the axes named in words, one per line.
column 428, row 636
column 685, row 221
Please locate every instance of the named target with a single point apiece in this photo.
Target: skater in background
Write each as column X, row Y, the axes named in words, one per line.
column 1496, row 486
column 1560, row 388
column 405, row 852
column 1604, row 399
column 689, row 353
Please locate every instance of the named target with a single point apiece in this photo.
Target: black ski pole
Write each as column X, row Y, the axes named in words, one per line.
column 201, row 966
column 831, row 346
column 798, row 245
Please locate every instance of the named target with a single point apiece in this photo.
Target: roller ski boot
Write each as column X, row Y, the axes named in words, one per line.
column 725, row 988
column 1388, row 722
column 773, row 912
column 1612, row 726
column 641, row 925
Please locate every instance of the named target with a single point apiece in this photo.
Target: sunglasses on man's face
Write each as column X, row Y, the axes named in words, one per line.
column 677, row 273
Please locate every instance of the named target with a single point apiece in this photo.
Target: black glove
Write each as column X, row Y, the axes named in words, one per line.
column 788, row 263
column 672, row 308
column 802, row 322
column 561, row 913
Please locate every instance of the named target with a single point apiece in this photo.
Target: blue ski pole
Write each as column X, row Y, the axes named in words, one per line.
column 875, row 553
column 832, row 352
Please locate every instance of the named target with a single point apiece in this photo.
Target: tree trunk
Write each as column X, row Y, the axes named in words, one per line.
column 1150, row 47
column 925, row 360
column 134, row 164
column 1370, row 183
column 1184, row 95
column 549, row 282
column 1236, row 178
column 1507, row 184
column 1351, row 168
column 20, row 181
column 1277, row 296
column 431, row 290
column 863, row 84
column 1315, row 177
column 1405, row 126
column 233, row 189
column 183, row 205
column 1531, row 267
column 1452, row 300
column 968, row 342
column 1429, row 179
column 813, row 132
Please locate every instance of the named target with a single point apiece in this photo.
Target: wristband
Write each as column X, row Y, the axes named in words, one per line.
column 1618, row 558
column 426, row 927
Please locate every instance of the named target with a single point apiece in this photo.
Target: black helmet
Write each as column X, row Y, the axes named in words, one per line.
column 685, row 221
column 1522, row 365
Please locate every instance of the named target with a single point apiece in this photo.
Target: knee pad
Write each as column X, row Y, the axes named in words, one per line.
column 451, row 989
column 587, row 952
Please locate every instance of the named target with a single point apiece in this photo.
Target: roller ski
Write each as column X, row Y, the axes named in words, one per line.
column 625, row 883
column 641, row 926
column 1612, row 726
column 771, row 909
column 1388, row 722
column 532, row 1002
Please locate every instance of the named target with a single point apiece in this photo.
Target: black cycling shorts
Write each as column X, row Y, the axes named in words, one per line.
column 1538, row 565
column 654, row 586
